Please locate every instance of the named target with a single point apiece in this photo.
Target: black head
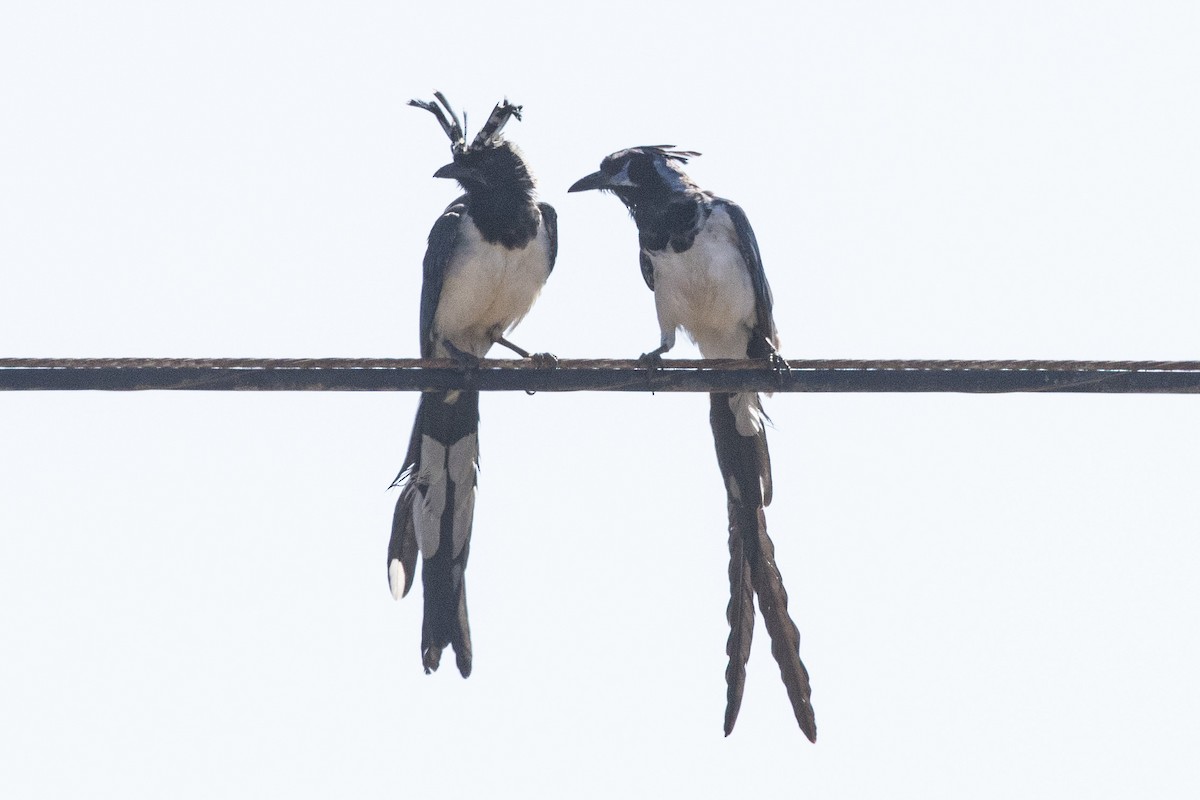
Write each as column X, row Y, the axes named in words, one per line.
column 641, row 174
column 489, row 162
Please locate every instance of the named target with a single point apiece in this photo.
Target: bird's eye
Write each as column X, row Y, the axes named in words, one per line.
column 609, row 167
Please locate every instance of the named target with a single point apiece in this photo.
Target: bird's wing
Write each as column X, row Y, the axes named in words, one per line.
column 443, row 239
column 748, row 246
column 550, row 220
column 647, row 269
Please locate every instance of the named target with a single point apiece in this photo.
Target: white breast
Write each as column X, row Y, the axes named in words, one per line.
column 488, row 288
column 706, row 290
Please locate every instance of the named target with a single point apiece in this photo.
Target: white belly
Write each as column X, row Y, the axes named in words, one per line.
column 490, row 292
column 706, row 290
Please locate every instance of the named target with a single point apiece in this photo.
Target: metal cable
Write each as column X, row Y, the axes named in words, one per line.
column 407, row 374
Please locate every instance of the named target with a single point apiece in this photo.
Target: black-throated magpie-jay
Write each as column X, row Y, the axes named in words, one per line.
column 488, row 257
column 700, row 257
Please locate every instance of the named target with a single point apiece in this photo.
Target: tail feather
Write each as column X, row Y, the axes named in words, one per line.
column 445, row 622
column 745, row 463
column 434, row 515
column 740, row 613
column 402, row 548
column 785, row 637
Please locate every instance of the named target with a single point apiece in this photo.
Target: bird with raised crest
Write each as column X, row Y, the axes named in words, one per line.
column 699, row 255
column 488, row 256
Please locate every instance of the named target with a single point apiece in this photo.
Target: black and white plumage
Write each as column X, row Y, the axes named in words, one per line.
column 488, row 257
column 700, row 257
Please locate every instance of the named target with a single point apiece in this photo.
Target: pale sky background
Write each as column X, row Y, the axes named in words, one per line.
column 996, row 594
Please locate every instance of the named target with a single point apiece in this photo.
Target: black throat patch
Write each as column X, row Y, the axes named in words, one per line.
column 673, row 224
column 510, row 220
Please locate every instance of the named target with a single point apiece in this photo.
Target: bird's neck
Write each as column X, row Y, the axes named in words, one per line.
column 669, row 221
column 508, row 218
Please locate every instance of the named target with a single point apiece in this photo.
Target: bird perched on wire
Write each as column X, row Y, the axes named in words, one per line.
column 489, row 254
column 700, row 257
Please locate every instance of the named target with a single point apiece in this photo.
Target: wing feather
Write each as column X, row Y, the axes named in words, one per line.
column 748, row 245
column 647, row 269
column 550, row 220
column 443, row 240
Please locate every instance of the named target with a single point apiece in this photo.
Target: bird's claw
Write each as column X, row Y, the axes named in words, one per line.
column 653, row 360
column 778, row 365
column 542, row 361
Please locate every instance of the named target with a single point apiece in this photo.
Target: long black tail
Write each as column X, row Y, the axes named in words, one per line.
column 745, row 466
column 434, row 515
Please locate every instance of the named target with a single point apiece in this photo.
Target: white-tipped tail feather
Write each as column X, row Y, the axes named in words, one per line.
column 433, row 519
column 396, row 578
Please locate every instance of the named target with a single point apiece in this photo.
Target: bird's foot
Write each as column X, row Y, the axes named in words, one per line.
column 541, row 361
column 544, row 360
column 779, row 365
column 653, row 359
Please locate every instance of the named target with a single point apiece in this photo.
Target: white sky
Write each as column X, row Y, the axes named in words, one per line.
column 996, row 594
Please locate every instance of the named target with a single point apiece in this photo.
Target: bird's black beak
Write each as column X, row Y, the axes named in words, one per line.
column 597, row 180
column 453, row 171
